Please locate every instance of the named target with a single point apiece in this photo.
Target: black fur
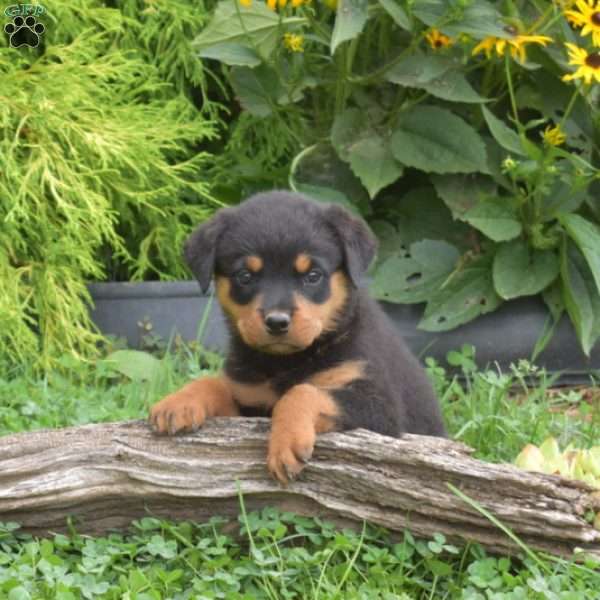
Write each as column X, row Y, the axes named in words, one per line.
column 395, row 395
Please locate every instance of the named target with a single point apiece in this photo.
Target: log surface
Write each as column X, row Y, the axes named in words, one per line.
column 103, row 476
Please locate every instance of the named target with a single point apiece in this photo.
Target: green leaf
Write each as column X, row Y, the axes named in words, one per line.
column 580, row 296
column 463, row 192
column 434, row 74
column 416, row 276
column 397, row 12
column 257, row 89
column 496, row 218
column 350, row 19
column 521, row 271
column 419, row 69
column 232, row 53
column 258, row 27
column 138, row 366
column 478, row 19
column 505, row 136
column 587, row 237
column 552, row 297
column 422, row 215
column 320, row 166
column 436, row 140
column 367, row 152
column 468, row 294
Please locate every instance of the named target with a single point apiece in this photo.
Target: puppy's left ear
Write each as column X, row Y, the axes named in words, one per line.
column 358, row 243
column 200, row 248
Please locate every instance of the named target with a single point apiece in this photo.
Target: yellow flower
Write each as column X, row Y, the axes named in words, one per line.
column 515, row 44
column 588, row 17
column 554, row 136
column 245, row 2
column 437, row 39
column 589, row 64
column 293, row 42
column 273, row 4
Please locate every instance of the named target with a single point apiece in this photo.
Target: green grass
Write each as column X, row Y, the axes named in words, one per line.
column 281, row 555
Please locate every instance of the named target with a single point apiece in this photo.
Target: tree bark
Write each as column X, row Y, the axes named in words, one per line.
column 103, row 476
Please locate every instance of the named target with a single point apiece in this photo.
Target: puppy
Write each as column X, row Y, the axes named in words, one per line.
column 308, row 346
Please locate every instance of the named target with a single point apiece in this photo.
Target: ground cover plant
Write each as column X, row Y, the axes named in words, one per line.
column 280, row 555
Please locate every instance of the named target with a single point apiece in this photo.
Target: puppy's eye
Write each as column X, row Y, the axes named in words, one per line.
column 244, row 277
column 313, row 277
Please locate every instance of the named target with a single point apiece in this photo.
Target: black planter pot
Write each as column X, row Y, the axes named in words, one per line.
column 502, row 337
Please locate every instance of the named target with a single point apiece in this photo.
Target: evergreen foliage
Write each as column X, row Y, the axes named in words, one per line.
column 102, row 170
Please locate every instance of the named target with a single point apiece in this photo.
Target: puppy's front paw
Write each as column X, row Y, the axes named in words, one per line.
column 177, row 412
column 289, row 451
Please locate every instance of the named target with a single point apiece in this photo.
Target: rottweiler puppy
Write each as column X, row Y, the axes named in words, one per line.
column 308, row 346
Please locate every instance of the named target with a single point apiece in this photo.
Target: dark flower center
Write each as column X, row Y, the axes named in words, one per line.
column 438, row 43
column 596, row 18
column 511, row 29
column 593, row 60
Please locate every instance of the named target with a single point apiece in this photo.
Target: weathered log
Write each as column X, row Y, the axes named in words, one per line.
column 103, row 476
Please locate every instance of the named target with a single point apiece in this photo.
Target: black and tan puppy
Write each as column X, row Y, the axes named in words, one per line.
column 308, row 346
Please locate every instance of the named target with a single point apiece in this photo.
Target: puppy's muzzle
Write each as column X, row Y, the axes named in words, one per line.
column 277, row 322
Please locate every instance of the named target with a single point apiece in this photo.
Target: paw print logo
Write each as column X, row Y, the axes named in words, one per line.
column 24, row 32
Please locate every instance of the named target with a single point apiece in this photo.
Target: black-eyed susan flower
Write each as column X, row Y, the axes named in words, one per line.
column 437, row 39
column 588, row 64
column 293, row 42
column 245, row 2
column 515, row 44
column 587, row 17
column 554, row 136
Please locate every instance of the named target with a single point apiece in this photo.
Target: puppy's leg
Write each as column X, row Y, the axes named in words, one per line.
column 301, row 413
column 189, row 407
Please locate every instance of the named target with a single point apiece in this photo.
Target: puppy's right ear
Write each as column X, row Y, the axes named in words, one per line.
column 200, row 248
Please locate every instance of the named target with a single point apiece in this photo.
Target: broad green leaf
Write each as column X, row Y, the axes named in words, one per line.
column 463, row 192
column 397, row 12
column 422, row 215
column 367, row 152
column 581, row 297
column 419, row 69
column 522, row 271
column 138, row 366
column 320, row 166
column 587, row 237
column 390, row 242
column 257, row 89
column 416, row 276
column 323, row 194
column 436, row 140
column 562, row 198
column 372, row 161
column 350, row 19
column 255, row 26
column 505, row 136
column 478, row 19
column 232, row 53
column 434, row 74
column 468, row 294
column 496, row 218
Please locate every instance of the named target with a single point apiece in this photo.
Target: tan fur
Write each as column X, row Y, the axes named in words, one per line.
column 301, row 413
column 302, row 263
column 189, row 407
column 254, row 263
column 256, row 395
column 339, row 376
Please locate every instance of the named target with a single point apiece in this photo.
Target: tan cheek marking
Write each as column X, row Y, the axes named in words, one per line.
column 254, row 263
column 245, row 317
column 302, row 263
column 339, row 376
column 258, row 395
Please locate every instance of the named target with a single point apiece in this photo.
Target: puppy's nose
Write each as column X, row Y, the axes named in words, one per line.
column 277, row 323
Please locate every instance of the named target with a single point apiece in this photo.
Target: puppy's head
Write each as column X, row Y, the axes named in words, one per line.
column 284, row 267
